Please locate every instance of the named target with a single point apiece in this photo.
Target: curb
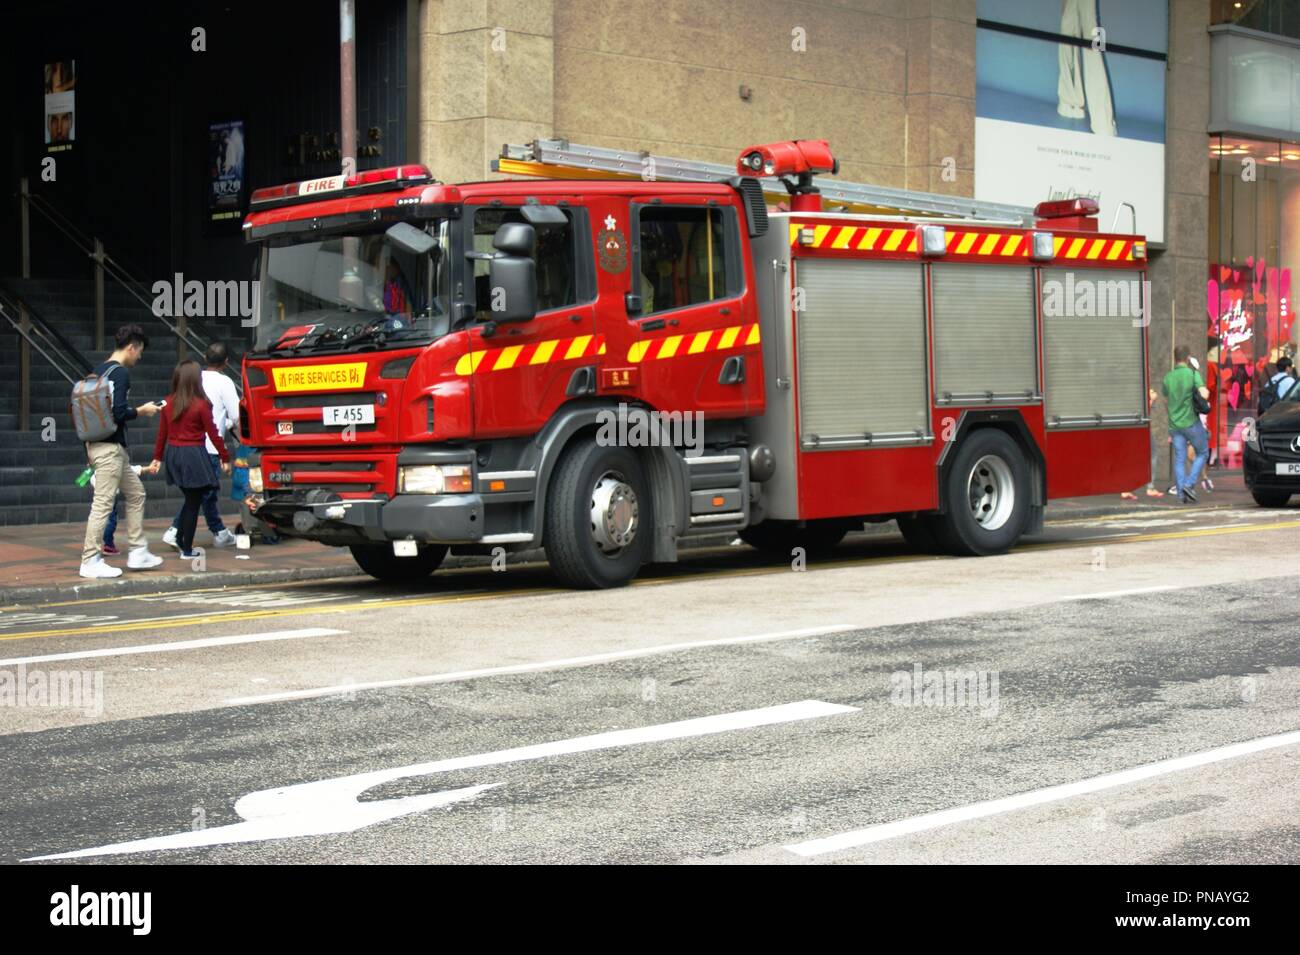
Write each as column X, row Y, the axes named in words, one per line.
column 140, row 584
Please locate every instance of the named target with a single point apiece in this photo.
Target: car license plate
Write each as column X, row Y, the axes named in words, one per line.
column 348, row 414
column 1291, row 468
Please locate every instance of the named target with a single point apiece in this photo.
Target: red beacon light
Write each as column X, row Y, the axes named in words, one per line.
column 794, row 162
column 1071, row 214
column 371, row 180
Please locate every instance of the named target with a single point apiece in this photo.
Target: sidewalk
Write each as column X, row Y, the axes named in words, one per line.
column 39, row 563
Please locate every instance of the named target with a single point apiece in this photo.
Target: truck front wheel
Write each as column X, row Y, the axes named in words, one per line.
column 1267, row 498
column 379, row 561
column 986, row 496
column 599, row 520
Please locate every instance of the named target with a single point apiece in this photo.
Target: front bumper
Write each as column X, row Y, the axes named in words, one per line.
column 1260, row 472
column 426, row 518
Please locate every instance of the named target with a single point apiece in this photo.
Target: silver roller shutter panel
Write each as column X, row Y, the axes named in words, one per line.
column 984, row 336
column 862, row 352
column 1094, row 366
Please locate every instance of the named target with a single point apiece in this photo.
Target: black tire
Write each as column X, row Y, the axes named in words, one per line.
column 1271, row 498
column 574, row 546
column 379, row 561
column 779, row 538
column 920, row 534
column 1003, row 467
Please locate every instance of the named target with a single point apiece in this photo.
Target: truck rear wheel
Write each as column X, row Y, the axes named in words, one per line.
column 1271, row 498
column 599, row 520
column 779, row 538
column 379, row 561
column 986, row 496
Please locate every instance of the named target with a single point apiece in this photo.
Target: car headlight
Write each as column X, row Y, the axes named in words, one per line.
column 1252, row 439
column 255, row 480
column 435, row 479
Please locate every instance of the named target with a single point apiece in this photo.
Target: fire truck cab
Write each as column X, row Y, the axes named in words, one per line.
column 608, row 366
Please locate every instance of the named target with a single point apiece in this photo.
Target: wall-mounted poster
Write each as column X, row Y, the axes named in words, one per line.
column 60, row 107
column 1070, row 102
column 226, row 178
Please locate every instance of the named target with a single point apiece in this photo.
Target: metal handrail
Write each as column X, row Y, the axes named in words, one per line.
column 115, row 269
column 15, row 301
column 78, row 366
column 194, row 335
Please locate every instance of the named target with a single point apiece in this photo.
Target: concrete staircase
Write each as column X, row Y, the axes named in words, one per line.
column 38, row 477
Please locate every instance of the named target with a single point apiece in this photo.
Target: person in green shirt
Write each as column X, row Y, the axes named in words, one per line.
column 1184, row 423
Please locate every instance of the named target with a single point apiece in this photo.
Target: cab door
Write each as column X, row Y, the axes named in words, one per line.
column 521, row 372
column 696, row 340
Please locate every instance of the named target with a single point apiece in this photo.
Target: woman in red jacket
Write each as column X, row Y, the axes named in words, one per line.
column 181, row 429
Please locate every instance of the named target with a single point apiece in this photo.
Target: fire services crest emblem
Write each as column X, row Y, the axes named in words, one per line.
column 611, row 246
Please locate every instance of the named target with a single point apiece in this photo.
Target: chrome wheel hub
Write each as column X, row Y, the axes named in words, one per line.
column 613, row 513
column 992, row 492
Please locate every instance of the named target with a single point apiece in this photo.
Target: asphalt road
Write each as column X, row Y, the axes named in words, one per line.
column 1116, row 691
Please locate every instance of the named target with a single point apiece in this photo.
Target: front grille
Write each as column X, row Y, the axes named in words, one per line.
column 295, row 466
column 1278, row 446
column 327, row 400
column 320, row 427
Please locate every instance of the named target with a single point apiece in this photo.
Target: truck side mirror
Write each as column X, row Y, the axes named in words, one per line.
column 410, row 239
column 515, row 238
column 512, row 275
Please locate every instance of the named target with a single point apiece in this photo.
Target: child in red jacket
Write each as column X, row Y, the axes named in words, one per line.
column 180, row 447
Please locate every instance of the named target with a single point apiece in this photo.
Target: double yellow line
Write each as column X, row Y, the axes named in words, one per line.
column 336, row 608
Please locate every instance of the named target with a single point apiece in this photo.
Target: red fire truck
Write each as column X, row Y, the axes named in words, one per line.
column 435, row 364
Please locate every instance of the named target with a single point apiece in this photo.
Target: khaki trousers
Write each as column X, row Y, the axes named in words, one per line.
column 112, row 474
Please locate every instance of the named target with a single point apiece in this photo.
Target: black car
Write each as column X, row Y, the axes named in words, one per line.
column 1272, row 459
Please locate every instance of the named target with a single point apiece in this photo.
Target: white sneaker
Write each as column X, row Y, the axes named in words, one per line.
column 96, row 567
column 169, row 536
column 224, row 539
column 141, row 559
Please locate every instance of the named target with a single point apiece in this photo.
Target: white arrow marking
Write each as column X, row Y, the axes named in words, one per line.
column 331, row 805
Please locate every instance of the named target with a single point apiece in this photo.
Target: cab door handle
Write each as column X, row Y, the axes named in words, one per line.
column 733, row 371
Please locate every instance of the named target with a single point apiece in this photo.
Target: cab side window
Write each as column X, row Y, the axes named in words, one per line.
column 557, row 284
column 687, row 256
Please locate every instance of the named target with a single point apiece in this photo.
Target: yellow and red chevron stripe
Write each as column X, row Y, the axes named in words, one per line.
column 1090, row 248
column 676, row 346
column 856, row 238
column 961, row 242
column 538, row 353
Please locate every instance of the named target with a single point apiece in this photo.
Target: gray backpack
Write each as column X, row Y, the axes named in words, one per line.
column 91, row 407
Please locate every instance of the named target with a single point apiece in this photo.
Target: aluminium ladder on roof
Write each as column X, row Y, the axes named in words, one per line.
column 560, row 159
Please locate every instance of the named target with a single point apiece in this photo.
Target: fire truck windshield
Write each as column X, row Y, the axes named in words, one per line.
column 352, row 292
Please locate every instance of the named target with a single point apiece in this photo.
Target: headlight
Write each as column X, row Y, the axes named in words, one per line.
column 255, row 480
column 435, row 479
column 1252, row 438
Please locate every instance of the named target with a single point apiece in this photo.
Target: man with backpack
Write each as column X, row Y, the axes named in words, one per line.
column 1181, row 387
column 100, row 413
column 1278, row 387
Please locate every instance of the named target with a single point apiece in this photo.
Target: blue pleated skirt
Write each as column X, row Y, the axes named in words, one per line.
column 189, row 466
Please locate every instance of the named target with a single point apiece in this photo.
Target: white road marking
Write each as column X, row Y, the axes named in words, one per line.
column 331, row 805
column 170, row 647
column 457, row 676
column 1107, row 594
column 994, row 807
